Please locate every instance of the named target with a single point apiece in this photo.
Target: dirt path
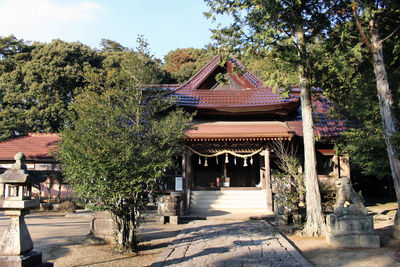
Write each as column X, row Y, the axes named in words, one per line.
column 155, row 238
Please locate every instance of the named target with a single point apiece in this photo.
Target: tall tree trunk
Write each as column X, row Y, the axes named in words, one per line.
column 125, row 227
column 389, row 120
column 315, row 223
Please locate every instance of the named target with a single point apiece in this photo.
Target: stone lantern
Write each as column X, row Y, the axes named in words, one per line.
column 16, row 244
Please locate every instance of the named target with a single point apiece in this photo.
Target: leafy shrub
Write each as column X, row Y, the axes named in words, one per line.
column 67, row 206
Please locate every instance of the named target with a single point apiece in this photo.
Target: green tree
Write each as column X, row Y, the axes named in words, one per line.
column 273, row 70
column 182, row 64
column 119, row 142
column 290, row 27
column 347, row 76
column 375, row 13
column 108, row 45
column 38, row 84
column 10, row 45
column 366, row 52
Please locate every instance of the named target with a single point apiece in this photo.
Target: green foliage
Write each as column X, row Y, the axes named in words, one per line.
column 182, row 64
column 347, row 76
column 287, row 192
column 288, row 180
column 10, row 46
column 267, row 29
column 118, row 67
column 116, row 149
column 274, row 71
column 367, row 149
column 108, row 45
column 121, row 138
column 221, row 78
column 39, row 83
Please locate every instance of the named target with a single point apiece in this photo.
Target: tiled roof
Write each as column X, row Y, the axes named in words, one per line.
column 324, row 125
column 239, row 129
column 254, row 94
column 230, row 98
column 34, row 146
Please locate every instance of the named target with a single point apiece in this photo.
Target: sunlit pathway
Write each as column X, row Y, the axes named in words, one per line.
column 225, row 243
column 52, row 229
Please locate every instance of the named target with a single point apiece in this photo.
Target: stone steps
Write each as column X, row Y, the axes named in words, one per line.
column 228, row 202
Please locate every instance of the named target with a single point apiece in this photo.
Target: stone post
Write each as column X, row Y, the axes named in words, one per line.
column 266, row 179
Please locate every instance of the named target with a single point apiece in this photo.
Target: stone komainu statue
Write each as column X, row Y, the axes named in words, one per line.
column 347, row 200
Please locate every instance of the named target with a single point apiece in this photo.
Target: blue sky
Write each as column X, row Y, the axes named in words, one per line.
column 166, row 24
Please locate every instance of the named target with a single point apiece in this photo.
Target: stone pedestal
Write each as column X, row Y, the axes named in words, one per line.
column 16, row 243
column 102, row 227
column 351, row 231
column 16, row 240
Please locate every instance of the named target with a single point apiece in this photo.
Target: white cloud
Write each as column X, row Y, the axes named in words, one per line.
column 44, row 20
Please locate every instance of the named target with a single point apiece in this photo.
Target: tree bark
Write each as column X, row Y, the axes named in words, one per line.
column 389, row 121
column 125, row 227
column 315, row 222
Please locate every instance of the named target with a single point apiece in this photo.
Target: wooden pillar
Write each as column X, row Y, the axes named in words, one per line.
column 266, row 179
column 187, row 178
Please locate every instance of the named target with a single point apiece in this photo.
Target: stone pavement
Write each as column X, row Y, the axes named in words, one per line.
column 230, row 243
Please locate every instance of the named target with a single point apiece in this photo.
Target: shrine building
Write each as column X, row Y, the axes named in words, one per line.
column 229, row 160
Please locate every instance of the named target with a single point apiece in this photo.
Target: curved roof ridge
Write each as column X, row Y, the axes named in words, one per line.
column 212, row 62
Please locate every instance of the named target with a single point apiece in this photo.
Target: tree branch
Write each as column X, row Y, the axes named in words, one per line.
column 390, row 35
column 360, row 29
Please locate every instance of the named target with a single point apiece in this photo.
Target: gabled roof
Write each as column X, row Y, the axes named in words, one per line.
column 35, row 146
column 246, row 92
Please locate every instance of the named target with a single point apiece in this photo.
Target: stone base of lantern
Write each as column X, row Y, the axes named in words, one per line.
column 32, row 258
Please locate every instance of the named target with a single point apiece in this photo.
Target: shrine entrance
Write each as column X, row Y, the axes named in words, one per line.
column 234, row 166
column 221, row 165
column 226, row 171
